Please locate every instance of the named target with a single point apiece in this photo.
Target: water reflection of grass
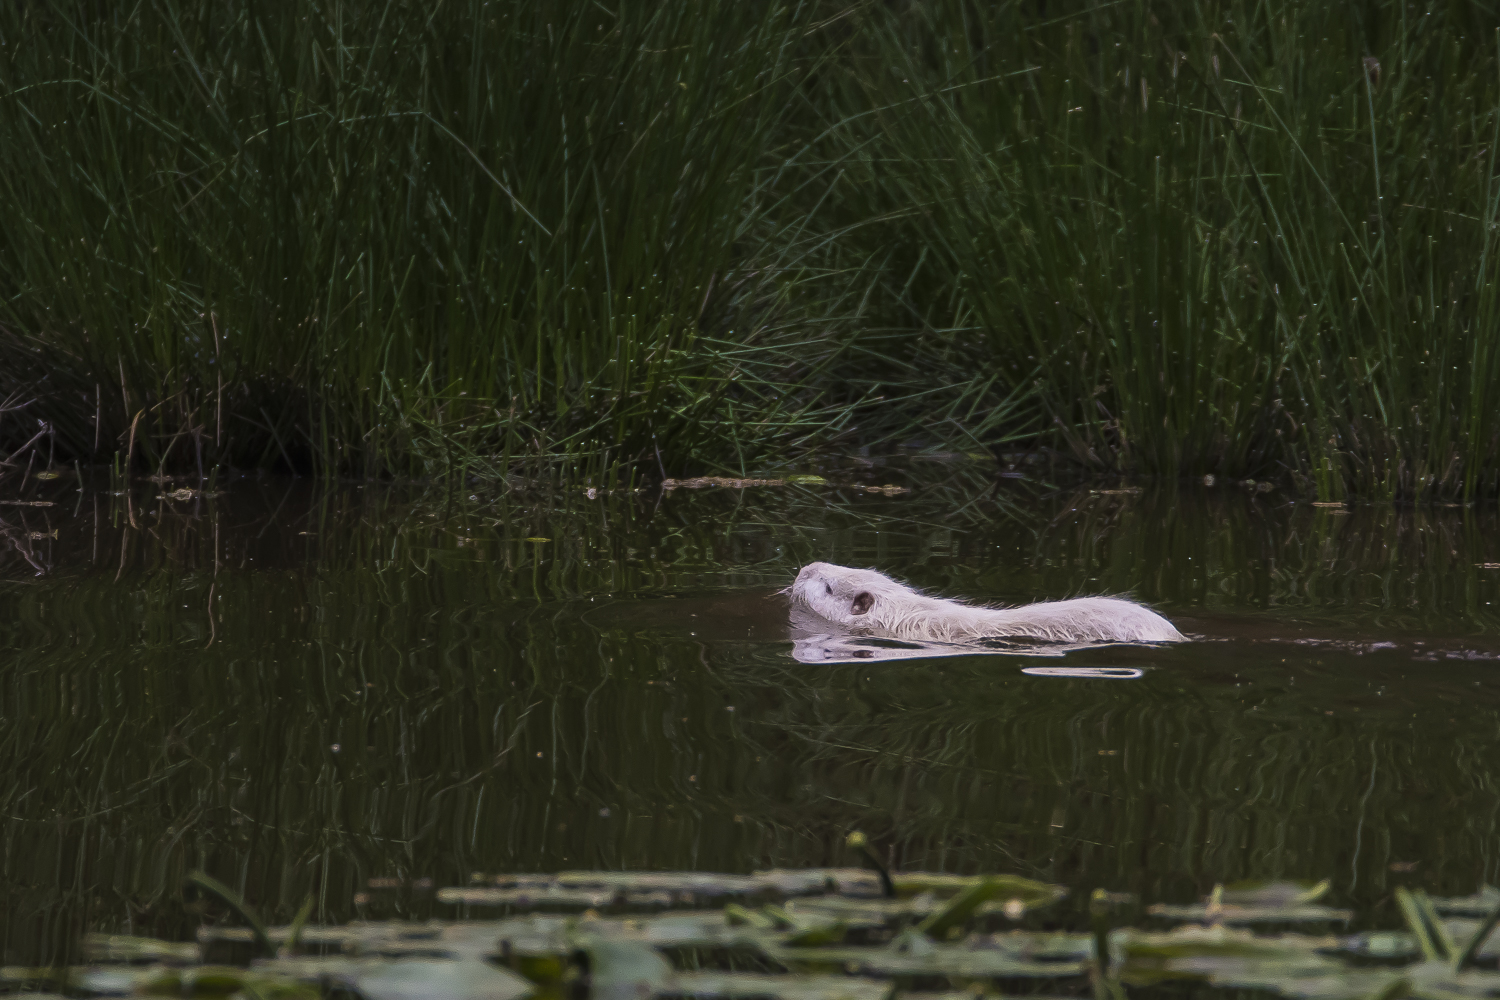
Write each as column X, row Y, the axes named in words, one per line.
column 1155, row 785
column 486, row 720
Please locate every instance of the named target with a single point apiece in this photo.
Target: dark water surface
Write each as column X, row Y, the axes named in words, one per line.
column 300, row 689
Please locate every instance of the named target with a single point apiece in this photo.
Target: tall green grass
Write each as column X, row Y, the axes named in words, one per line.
column 1235, row 238
column 384, row 237
column 1248, row 239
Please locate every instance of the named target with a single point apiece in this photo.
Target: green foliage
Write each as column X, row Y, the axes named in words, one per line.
column 378, row 236
column 1240, row 238
column 1231, row 237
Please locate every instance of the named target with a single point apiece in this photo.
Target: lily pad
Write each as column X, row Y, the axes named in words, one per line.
column 403, row 978
column 1238, row 915
column 698, row 883
column 624, row 970
column 419, row 979
column 125, row 948
column 552, row 897
column 1391, row 945
column 752, row 984
column 1480, row 904
column 1257, row 902
column 982, row 959
column 1273, row 893
column 1186, row 941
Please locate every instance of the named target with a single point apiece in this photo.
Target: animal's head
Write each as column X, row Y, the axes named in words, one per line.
column 850, row 597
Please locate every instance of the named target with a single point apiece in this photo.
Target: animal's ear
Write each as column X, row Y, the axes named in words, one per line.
column 863, row 602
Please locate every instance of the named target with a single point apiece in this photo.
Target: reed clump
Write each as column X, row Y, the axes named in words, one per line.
column 385, row 239
column 1229, row 238
column 1216, row 238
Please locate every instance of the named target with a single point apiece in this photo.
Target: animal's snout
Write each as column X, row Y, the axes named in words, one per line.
column 810, row 572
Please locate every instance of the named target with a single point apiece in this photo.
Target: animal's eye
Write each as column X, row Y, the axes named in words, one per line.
column 828, row 587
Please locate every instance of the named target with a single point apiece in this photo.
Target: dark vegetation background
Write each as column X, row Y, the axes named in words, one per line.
column 387, row 238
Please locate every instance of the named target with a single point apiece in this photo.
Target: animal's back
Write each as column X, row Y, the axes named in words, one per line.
column 1085, row 618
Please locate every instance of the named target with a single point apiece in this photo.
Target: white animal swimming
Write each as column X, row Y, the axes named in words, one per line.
column 863, row 598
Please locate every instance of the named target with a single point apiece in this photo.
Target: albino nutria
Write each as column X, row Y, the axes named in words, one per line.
column 863, row 598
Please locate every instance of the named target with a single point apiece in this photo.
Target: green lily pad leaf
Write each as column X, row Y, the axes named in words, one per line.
column 751, row 984
column 124, row 948
column 592, row 890
column 694, row 883
column 1026, row 893
column 396, row 939
column 420, row 979
column 980, row 962
column 1462, row 930
column 92, row 980
column 624, row 970
column 1273, row 893
column 1383, row 944
column 1238, row 915
column 1307, row 976
column 914, row 943
column 683, row 930
column 1324, row 979
column 401, row 978
column 535, row 936
column 1478, row 905
column 863, row 912
column 1199, row 952
column 878, row 912
column 1044, row 946
column 199, row 981
column 310, row 935
column 1216, row 941
column 1257, row 902
column 276, row 989
column 553, row 897
column 816, row 881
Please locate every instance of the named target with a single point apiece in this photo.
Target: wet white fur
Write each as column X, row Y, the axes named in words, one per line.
column 832, row 592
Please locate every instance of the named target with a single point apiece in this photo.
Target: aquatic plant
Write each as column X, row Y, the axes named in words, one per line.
column 1224, row 238
column 1228, row 238
column 377, row 238
column 801, row 934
